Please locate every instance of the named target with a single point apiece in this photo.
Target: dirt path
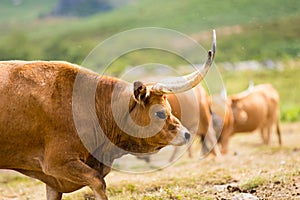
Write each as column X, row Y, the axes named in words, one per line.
column 266, row 172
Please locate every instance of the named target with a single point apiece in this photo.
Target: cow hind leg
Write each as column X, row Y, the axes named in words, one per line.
column 278, row 133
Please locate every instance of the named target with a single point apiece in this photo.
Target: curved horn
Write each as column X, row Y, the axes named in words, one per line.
column 187, row 82
column 244, row 93
column 250, row 86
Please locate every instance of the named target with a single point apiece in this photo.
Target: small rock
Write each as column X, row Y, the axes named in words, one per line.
column 226, row 187
column 252, row 191
column 244, row 196
column 220, row 188
column 277, row 182
column 233, row 189
column 296, row 149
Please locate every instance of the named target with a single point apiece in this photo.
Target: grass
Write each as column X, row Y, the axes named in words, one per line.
column 253, row 183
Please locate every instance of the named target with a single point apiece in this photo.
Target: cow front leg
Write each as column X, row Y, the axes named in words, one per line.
column 224, row 140
column 78, row 173
column 263, row 134
column 52, row 194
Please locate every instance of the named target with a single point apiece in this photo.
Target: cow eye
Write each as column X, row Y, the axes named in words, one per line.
column 161, row 114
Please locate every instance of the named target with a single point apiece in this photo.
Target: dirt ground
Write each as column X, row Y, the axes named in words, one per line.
column 249, row 170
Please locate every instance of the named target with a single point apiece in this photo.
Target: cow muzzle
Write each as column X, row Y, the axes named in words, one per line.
column 182, row 137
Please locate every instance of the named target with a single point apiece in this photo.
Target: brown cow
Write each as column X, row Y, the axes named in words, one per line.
column 256, row 108
column 195, row 106
column 50, row 130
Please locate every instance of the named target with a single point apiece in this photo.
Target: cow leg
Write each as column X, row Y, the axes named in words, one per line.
column 268, row 134
column 278, row 133
column 212, row 138
column 77, row 172
column 263, row 135
column 52, row 194
column 205, row 150
column 190, row 154
column 224, row 140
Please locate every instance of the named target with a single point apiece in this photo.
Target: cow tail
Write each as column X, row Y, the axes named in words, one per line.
column 278, row 132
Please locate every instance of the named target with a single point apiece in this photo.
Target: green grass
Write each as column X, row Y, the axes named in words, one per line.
column 253, row 183
column 175, row 188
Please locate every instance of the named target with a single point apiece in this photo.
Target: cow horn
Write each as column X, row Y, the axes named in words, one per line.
column 187, row 82
column 244, row 93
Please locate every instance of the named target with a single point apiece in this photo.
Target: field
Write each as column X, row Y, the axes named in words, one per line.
column 267, row 172
column 246, row 30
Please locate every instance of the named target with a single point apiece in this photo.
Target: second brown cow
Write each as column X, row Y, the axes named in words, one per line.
column 255, row 109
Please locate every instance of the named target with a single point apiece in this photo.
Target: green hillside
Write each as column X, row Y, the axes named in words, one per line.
column 24, row 11
column 29, row 35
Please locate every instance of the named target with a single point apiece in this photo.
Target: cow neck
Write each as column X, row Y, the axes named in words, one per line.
column 112, row 99
column 115, row 94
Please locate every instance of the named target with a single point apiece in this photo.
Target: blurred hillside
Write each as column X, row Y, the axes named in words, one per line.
column 80, row 7
column 247, row 30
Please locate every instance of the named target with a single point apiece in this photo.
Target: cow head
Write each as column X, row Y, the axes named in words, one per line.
column 151, row 113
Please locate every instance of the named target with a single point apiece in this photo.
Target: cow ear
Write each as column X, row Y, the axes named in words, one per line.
column 140, row 93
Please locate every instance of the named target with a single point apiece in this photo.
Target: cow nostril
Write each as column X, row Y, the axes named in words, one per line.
column 187, row 135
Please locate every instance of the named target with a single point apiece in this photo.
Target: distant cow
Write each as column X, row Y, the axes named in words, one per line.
column 256, row 108
column 51, row 131
column 195, row 106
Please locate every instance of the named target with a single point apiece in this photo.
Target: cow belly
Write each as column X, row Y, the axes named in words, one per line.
column 19, row 147
column 249, row 126
column 19, row 158
column 59, row 185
